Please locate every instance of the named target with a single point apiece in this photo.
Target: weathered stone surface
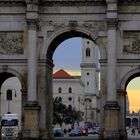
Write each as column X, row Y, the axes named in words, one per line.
column 42, row 25
column 11, row 43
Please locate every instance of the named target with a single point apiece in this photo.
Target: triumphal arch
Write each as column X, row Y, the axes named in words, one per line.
column 31, row 30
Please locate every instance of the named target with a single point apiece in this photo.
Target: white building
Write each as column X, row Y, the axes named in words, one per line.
column 70, row 90
column 10, row 100
column 82, row 93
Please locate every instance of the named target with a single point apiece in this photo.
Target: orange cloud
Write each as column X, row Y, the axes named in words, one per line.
column 134, row 99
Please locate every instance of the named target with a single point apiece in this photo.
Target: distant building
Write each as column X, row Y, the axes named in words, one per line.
column 133, row 120
column 10, row 100
column 70, row 90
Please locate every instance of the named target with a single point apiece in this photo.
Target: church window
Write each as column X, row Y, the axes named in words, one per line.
column 70, row 90
column 70, row 98
column 69, row 107
column 88, row 52
column 59, row 90
column 60, row 99
column 9, row 94
column 87, row 73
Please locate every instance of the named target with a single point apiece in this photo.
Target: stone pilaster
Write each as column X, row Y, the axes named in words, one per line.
column 121, row 95
column 49, row 101
column 112, row 59
column 111, row 108
column 31, row 120
column 31, row 108
column 111, row 121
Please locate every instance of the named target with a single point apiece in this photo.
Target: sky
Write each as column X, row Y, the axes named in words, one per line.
column 133, row 90
column 68, row 56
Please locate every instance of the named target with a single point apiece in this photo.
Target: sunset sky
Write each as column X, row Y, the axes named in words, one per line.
column 68, row 56
column 133, row 90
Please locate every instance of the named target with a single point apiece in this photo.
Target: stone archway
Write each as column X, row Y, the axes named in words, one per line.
column 10, row 73
column 126, row 78
column 52, row 43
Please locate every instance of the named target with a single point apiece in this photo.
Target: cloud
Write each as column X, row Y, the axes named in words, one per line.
column 134, row 100
column 134, row 84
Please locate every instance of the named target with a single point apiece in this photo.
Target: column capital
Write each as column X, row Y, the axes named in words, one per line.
column 112, row 22
column 32, row 104
column 32, row 24
column 32, row 1
column 121, row 92
column 111, row 1
column 111, row 105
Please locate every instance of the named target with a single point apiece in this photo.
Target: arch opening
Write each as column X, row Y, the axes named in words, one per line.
column 62, row 37
column 77, row 102
column 11, row 96
column 133, row 103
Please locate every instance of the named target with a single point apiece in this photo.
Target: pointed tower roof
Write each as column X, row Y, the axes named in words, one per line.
column 62, row 74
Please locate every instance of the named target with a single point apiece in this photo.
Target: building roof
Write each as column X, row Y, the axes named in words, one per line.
column 62, row 74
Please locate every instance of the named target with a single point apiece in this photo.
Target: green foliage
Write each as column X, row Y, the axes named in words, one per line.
column 61, row 113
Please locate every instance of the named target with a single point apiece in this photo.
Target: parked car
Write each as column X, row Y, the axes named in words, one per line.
column 94, row 130
column 58, row 132
column 75, row 132
column 84, row 131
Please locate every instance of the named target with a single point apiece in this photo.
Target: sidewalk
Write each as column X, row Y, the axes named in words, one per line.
column 129, row 134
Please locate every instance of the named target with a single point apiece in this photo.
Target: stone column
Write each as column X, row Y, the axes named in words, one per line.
column 49, row 101
column 32, row 60
column 111, row 131
column 121, row 94
column 32, row 107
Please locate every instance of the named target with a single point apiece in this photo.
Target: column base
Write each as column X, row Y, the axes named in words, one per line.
column 31, row 121
column 45, row 136
column 111, row 130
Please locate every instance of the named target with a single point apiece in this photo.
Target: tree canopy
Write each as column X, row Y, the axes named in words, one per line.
column 64, row 114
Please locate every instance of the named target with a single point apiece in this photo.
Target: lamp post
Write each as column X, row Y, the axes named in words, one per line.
column 10, row 95
column 0, row 106
column 0, row 116
column 9, row 98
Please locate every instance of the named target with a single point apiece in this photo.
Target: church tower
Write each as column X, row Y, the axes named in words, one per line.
column 90, row 77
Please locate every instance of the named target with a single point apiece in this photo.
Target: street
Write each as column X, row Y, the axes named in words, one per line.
column 88, row 138
column 93, row 137
column 78, row 138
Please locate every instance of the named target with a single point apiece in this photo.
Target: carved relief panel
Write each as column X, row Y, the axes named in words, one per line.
column 93, row 26
column 131, row 42
column 11, row 43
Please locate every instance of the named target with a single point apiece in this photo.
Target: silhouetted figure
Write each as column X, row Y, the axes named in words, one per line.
column 133, row 131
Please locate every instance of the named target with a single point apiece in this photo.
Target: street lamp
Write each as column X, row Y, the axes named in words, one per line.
column 9, row 98
column 0, row 106
column 0, row 116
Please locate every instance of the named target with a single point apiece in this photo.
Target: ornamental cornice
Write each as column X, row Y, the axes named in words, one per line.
column 128, row 1
column 12, row 1
column 73, row 2
column 32, row 1
column 111, row 1
column 88, row 65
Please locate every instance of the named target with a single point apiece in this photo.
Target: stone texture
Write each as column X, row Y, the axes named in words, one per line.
column 58, row 20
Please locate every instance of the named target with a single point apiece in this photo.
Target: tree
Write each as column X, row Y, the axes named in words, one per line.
column 62, row 113
column 59, row 111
